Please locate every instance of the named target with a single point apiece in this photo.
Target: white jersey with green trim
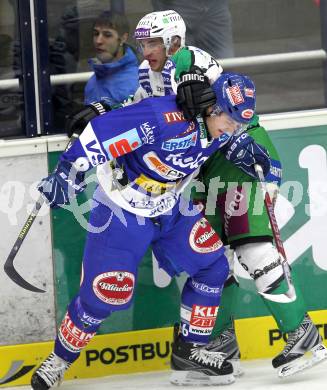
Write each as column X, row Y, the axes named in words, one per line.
column 165, row 82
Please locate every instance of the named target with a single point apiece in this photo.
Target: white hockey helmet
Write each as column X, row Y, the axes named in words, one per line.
column 161, row 24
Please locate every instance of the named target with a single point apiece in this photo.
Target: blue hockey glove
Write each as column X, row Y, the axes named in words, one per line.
column 244, row 152
column 64, row 183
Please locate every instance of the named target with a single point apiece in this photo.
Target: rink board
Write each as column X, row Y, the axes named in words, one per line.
column 139, row 351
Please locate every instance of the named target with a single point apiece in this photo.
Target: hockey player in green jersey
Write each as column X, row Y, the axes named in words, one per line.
column 250, row 235
column 170, row 67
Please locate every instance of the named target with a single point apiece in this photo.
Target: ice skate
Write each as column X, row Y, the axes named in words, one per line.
column 226, row 343
column 303, row 349
column 50, row 372
column 193, row 365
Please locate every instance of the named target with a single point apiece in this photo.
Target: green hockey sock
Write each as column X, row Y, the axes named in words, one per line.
column 287, row 315
column 226, row 308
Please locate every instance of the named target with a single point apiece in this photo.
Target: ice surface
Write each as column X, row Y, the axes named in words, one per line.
column 258, row 375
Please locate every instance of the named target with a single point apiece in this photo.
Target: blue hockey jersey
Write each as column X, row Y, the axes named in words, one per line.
column 153, row 153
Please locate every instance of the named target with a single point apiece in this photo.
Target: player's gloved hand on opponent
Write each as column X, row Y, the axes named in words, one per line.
column 244, row 152
column 78, row 120
column 61, row 185
column 194, row 94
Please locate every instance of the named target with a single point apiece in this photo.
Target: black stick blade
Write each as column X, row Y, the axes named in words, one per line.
column 15, row 277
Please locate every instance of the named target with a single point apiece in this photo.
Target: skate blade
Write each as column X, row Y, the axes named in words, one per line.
column 194, row 378
column 319, row 353
column 237, row 369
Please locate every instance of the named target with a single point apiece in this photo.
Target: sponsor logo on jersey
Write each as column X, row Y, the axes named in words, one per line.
column 154, row 163
column 247, row 114
column 147, row 130
column 203, row 239
column 164, row 205
column 235, row 95
column 114, row 288
column 174, row 117
column 156, row 207
column 153, row 186
column 122, row 144
column 71, row 337
column 180, row 143
column 91, row 146
column 187, row 162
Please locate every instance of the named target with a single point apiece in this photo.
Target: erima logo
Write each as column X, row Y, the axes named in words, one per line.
column 16, row 371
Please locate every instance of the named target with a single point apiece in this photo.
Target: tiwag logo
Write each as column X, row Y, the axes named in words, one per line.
column 16, row 371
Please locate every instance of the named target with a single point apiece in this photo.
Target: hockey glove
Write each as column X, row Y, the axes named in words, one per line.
column 77, row 122
column 194, row 95
column 63, row 184
column 244, row 152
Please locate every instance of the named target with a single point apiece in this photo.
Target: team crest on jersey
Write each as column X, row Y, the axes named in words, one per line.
column 122, row 144
column 114, row 288
column 235, row 95
column 203, row 238
column 180, row 143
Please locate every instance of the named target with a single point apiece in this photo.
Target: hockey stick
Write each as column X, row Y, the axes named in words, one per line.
column 9, row 267
column 290, row 295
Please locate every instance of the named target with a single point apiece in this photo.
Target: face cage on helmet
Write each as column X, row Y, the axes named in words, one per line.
column 241, row 127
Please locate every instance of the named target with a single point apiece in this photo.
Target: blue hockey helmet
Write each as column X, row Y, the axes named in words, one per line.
column 235, row 96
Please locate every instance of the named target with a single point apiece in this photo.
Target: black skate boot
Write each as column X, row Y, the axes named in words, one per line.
column 226, row 343
column 50, row 372
column 192, row 364
column 304, row 339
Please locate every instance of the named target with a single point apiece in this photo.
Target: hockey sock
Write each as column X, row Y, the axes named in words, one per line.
column 287, row 315
column 76, row 330
column 200, row 300
column 226, row 309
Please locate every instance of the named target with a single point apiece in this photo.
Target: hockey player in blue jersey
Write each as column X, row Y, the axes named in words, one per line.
column 145, row 155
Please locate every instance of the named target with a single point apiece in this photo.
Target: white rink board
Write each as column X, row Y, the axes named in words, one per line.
column 259, row 375
column 26, row 317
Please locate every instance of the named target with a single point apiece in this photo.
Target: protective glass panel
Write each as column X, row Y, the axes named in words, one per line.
column 11, row 95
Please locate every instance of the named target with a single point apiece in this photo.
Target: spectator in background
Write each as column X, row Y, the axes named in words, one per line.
column 208, row 24
column 116, row 65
